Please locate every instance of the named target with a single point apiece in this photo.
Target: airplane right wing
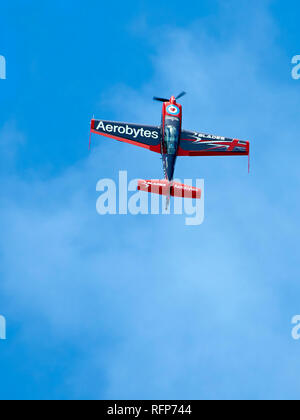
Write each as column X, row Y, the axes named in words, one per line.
column 199, row 144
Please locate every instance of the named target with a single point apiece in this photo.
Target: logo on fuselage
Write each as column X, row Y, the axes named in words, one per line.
column 173, row 110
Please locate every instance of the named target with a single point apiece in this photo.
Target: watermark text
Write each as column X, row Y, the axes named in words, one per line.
column 2, row 67
column 2, row 328
column 296, row 328
column 122, row 197
column 296, row 68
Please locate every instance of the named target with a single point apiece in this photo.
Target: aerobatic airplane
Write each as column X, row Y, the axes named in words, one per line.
column 170, row 141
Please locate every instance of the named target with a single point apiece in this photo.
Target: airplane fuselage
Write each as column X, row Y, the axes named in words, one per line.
column 170, row 141
column 171, row 132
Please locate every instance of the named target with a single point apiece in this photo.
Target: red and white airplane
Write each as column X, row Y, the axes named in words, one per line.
column 170, row 141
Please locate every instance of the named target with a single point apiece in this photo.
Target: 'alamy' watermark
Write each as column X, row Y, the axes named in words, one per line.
column 124, row 199
column 296, row 68
column 296, row 328
column 2, row 328
column 2, row 67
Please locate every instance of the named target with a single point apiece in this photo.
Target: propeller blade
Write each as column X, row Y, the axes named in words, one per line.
column 180, row 95
column 160, row 99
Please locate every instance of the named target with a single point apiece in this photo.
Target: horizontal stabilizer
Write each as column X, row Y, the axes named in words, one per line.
column 164, row 187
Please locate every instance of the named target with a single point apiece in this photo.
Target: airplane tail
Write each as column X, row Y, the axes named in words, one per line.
column 173, row 189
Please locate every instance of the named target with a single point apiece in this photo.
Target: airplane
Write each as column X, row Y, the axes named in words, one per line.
column 171, row 141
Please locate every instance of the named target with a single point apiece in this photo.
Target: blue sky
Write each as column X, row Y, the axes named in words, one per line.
column 146, row 307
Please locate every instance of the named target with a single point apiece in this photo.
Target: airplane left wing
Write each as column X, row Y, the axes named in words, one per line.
column 146, row 136
column 199, row 144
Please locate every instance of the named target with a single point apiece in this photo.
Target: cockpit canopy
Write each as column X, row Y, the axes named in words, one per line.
column 171, row 135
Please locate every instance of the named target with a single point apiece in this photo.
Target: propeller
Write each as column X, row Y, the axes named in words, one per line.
column 180, row 95
column 167, row 100
column 160, row 99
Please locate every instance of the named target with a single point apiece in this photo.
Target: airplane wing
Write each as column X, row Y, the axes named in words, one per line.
column 199, row 144
column 146, row 136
